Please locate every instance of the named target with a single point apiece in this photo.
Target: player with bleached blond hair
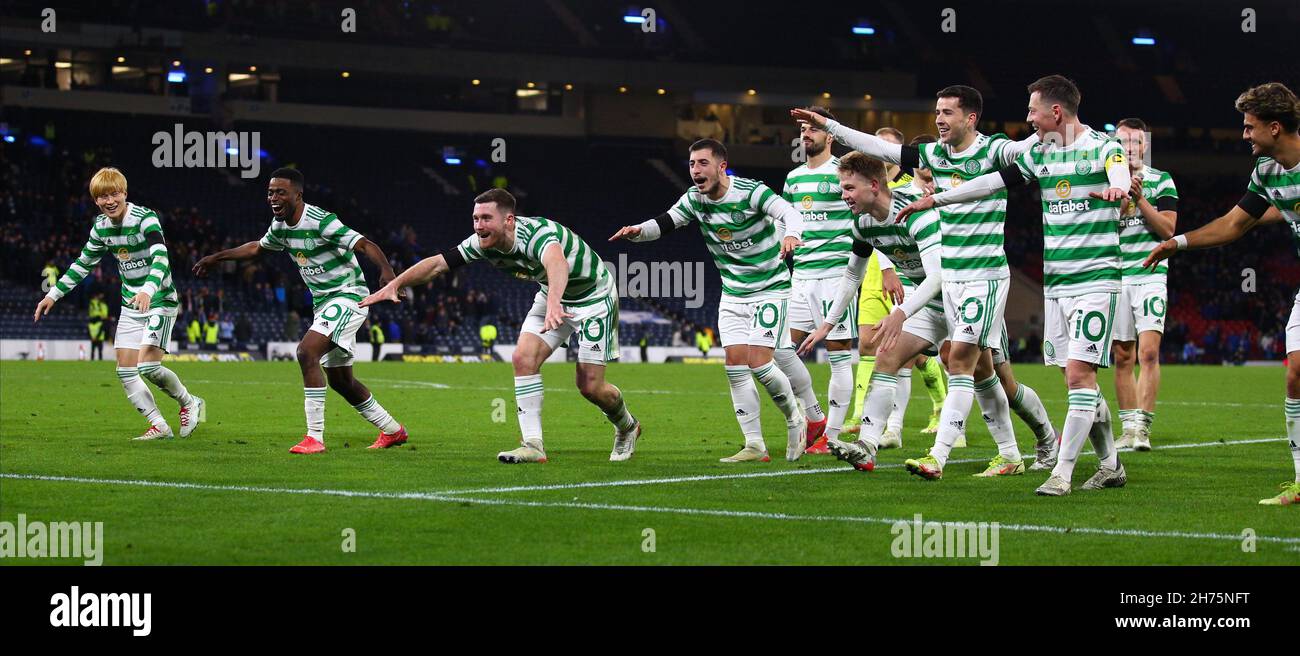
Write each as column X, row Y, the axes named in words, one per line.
column 133, row 234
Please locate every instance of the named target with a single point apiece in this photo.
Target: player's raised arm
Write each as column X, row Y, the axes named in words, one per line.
column 867, row 144
column 974, row 189
column 652, row 229
column 423, row 271
column 246, row 252
column 1224, row 230
column 77, row 271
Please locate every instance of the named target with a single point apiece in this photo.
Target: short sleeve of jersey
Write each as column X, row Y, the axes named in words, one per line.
column 683, row 212
column 270, row 242
column 1165, row 188
column 469, row 249
column 544, row 237
column 335, row 232
column 786, row 193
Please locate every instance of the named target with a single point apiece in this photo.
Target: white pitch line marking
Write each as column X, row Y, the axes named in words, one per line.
column 783, row 472
column 705, row 512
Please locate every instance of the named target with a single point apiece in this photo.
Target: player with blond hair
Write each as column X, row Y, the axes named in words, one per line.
column 133, row 234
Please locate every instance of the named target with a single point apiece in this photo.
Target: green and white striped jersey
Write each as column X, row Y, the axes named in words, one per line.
column 1081, row 253
column 815, row 192
column 1136, row 240
column 741, row 234
column 972, row 231
column 904, row 244
column 589, row 280
column 1281, row 188
column 322, row 248
column 141, row 254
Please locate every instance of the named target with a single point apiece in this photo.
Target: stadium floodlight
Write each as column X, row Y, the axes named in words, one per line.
column 176, row 77
column 231, row 150
column 1144, row 41
column 38, row 141
column 453, row 161
column 635, row 19
column 863, row 30
column 1110, row 127
column 9, row 138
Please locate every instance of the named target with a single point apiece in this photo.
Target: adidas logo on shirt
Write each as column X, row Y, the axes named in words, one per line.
column 1092, row 348
column 968, row 331
column 768, row 334
column 595, row 347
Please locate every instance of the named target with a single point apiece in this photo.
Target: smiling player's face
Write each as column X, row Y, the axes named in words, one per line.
column 1258, row 134
column 282, row 197
column 490, row 224
column 112, row 204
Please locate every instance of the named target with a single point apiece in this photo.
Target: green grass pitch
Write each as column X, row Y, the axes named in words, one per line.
column 232, row 494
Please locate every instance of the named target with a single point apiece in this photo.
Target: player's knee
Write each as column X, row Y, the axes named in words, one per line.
column 307, row 356
column 525, row 363
column 1148, row 356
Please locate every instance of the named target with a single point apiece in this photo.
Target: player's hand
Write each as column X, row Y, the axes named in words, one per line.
column 813, row 338
column 804, row 116
column 1110, row 194
column 1135, row 188
column 627, row 232
column 141, row 302
column 885, row 334
column 389, row 292
column 927, row 187
column 891, row 285
column 918, row 205
column 43, row 308
column 555, row 316
column 1164, row 251
column 788, row 245
column 201, row 267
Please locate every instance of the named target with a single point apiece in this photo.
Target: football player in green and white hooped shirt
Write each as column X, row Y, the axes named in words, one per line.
column 740, row 221
column 578, row 295
column 1271, row 124
column 918, row 324
column 1083, row 177
column 325, row 251
column 975, row 273
column 134, row 236
column 814, row 189
column 1147, row 218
